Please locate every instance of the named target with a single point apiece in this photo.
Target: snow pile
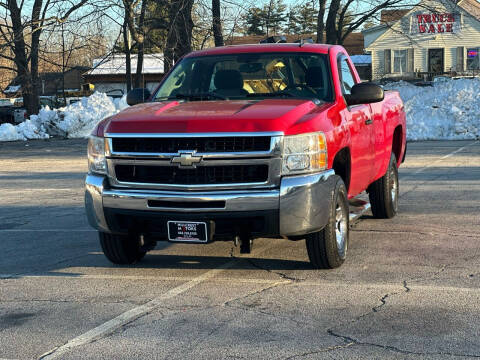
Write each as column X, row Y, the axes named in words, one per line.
column 74, row 121
column 449, row 110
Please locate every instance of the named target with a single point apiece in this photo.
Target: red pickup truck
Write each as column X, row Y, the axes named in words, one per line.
column 245, row 142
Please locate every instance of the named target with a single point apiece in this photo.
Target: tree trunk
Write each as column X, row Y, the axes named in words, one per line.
column 341, row 22
column 179, row 38
column 128, row 61
column 20, row 57
column 320, row 23
column 330, row 27
column 35, row 45
column 140, row 44
column 216, row 23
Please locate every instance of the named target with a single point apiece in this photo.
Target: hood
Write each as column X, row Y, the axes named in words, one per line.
column 212, row 116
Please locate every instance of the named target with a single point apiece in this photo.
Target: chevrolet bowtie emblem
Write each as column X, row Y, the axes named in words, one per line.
column 186, row 159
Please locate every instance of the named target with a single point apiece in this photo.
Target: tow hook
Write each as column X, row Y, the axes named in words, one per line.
column 146, row 243
column 245, row 243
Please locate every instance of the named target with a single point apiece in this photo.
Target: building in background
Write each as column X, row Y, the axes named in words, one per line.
column 433, row 38
column 108, row 75
column 52, row 83
column 363, row 64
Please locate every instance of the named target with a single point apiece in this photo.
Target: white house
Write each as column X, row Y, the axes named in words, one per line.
column 109, row 74
column 434, row 37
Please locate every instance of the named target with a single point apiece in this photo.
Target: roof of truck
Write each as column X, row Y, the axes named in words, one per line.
column 258, row 48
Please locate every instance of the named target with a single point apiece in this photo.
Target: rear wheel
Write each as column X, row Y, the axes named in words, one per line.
column 121, row 249
column 383, row 193
column 327, row 248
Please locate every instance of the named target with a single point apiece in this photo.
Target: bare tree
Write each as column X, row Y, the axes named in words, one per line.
column 128, row 50
column 345, row 18
column 21, row 33
column 179, row 38
column 217, row 23
column 320, row 23
column 137, row 29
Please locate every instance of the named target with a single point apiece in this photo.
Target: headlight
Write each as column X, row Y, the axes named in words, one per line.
column 96, row 155
column 304, row 153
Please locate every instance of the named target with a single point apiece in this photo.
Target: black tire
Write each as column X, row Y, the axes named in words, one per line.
column 121, row 249
column 322, row 247
column 383, row 193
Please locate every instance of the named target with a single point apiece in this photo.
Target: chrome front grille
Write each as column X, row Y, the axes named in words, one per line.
column 173, row 145
column 222, row 161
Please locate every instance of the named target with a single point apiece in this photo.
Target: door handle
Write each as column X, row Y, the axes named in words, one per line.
column 368, row 121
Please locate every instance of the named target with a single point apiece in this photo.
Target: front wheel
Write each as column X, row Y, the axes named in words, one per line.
column 327, row 248
column 383, row 193
column 121, row 249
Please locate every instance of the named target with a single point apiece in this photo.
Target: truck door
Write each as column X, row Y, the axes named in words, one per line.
column 360, row 124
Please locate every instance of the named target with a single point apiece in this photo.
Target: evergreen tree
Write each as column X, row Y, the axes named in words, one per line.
column 307, row 16
column 292, row 26
column 275, row 16
column 254, row 21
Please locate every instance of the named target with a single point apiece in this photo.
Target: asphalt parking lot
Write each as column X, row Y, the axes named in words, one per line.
column 410, row 288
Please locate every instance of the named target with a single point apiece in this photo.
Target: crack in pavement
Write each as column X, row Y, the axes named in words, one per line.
column 282, row 275
column 256, row 292
column 350, row 339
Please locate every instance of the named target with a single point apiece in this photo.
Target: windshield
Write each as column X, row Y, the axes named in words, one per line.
column 247, row 76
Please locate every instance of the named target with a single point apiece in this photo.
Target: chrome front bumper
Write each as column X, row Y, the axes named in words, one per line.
column 302, row 202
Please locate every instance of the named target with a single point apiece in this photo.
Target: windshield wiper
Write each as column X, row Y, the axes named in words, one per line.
column 315, row 100
column 275, row 94
column 198, row 96
column 193, row 97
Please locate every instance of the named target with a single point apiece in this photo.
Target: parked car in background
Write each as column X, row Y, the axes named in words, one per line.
column 10, row 113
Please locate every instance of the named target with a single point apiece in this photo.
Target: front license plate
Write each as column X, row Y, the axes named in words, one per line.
column 187, row 231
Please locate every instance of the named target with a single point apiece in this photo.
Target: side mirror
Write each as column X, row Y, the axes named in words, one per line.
column 138, row 96
column 365, row 93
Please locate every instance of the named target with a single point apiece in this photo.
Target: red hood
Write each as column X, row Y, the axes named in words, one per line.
column 212, row 116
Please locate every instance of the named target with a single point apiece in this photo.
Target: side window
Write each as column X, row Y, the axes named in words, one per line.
column 347, row 79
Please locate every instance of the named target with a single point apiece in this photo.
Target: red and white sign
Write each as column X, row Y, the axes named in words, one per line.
column 435, row 23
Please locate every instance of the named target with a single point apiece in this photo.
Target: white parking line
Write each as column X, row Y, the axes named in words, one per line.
column 444, row 157
column 131, row 315
column 61, row 276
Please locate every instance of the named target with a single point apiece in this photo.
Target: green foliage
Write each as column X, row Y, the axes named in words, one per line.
column 292, row 26
column 254, row 21
column 275, row 16
column 307, row 16
column 268, row 20
column 155, row 29
column 156, row 23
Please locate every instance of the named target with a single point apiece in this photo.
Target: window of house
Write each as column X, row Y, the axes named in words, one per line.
column 473, row 59
column 400, row 61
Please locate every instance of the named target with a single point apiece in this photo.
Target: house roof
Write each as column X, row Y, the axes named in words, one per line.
column 471, row 6
column 50, row 76
column 353, row 42
column 361, row 59
column 389, row 16
column 116, row 64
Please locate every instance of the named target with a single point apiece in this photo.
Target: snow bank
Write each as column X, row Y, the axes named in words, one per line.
column 74, row 121
column 450, row 110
